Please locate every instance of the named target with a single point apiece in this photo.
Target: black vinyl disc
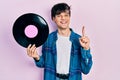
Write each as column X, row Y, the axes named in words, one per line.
column 22, row 30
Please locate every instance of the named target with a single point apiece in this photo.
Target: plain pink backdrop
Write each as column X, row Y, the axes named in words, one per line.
column 101, row 19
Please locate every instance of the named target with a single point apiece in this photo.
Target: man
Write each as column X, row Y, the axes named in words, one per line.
column 65, row 54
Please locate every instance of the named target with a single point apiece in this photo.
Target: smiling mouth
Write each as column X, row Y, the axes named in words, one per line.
column 63, row 22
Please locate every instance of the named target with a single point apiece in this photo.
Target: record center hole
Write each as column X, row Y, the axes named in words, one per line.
column 31, row 31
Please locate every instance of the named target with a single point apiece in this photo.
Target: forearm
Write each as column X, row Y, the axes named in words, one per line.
column 86, row 60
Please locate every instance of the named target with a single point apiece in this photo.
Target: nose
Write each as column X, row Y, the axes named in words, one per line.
column 62, row 17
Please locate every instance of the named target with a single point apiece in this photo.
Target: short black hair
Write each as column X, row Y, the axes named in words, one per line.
column 59, row 8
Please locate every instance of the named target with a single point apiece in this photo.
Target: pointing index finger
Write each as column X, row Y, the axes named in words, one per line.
column 83, row 31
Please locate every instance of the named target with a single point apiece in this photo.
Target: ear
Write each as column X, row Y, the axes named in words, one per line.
column 53, row 18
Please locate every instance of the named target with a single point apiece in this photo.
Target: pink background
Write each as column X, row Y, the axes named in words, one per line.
column 101, row 19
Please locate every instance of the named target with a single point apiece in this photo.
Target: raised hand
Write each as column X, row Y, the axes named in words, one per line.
column 32, row 52
column 84, row 40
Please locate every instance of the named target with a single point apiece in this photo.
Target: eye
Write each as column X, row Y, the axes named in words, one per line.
column 67, row 14
column 57, row 15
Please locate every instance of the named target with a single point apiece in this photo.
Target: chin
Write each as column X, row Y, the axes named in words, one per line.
column 64, row 28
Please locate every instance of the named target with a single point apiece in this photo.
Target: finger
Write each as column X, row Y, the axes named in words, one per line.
column 32, row 48
column 83, row 40
column 83, row 31
column 86, row 39
column 28, row 48
column 82, row 43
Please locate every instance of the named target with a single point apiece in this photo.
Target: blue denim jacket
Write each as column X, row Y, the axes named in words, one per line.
column 80, row 59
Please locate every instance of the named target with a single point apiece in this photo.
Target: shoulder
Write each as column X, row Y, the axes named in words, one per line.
column 75, row 35
column 52, row 35
column 51, row 38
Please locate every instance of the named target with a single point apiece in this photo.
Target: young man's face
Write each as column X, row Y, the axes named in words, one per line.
column 62, row 20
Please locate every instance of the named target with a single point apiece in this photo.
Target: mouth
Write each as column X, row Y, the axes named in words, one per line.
column 63, row 22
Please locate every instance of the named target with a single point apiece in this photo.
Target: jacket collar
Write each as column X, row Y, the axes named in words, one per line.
column 71, row 35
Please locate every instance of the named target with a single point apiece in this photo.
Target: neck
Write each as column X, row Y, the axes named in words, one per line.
column 64, row 32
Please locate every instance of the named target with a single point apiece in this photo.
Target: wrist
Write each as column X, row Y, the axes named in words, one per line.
column 37, row 58
column 86, row 48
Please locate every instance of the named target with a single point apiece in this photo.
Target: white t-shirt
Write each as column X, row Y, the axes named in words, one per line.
column 63, row 54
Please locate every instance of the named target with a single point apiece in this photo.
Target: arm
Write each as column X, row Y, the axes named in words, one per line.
column 40, row 62
column 86, row 58
column 86, row 61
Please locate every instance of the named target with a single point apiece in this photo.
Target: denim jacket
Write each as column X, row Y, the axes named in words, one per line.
column 80, row 59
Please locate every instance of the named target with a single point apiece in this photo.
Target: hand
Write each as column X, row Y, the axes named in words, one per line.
column 32, row 52
column 84, row 40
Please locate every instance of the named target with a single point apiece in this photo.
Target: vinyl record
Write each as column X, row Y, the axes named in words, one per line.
column 30, row 28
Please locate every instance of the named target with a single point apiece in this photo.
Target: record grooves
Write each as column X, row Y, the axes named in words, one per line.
column 34, row 20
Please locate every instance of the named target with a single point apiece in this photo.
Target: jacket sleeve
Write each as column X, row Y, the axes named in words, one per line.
column 40, row 63
column 86, row 61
